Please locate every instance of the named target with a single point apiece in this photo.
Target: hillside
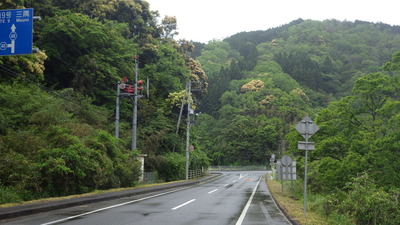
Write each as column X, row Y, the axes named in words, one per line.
column 57, row 114
column 345, row 76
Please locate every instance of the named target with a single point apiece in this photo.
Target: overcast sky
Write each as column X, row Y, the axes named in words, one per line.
column 205, row 20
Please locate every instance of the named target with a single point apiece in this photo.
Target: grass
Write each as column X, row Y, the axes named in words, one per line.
column 86, row 194
column 90, row 193
column 294, row 207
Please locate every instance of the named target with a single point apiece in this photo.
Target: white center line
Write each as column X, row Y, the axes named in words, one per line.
column 226, row 185
column 212, row 191
column 188, row 202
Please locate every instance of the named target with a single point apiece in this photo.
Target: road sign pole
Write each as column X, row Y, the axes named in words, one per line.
column 305, row 172
column 305, row 183
column 306, row 128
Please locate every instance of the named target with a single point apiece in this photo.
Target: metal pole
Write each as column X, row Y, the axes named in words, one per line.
column 134, row 120
column 305, row 173
column 117, row 112
column 180, row 112
column 305, row 184
column 188, row 131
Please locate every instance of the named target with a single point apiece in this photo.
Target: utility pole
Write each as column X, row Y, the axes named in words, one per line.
column 188, row 130
column 129, row 91
column 117, row 111
column 180, row 112
column 135, row 101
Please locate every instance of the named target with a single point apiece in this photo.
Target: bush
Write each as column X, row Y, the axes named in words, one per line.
column 368, row 204
column 8, row 195
column 173, row 167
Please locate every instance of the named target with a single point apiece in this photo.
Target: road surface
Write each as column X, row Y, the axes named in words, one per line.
column 238, row 198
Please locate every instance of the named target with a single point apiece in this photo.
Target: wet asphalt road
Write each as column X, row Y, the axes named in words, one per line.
column 238, row 198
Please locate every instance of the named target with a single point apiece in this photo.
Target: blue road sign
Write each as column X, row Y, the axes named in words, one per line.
column 16, row 31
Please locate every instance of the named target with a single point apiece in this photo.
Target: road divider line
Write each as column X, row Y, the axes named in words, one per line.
column 213, row 191
column 226, row 185
column 179, row 206
column 241, row 218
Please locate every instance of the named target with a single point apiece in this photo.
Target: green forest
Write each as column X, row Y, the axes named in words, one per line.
column 57, row 106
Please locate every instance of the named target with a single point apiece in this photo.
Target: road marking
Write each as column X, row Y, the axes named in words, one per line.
column 234, row 181
column 114, row 206
column 241, row 218
column 188, row 202
column 241, row 176
column 266, row 213
column 226, row 185
column 213, row 191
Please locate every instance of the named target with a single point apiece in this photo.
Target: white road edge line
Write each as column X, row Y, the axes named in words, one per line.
column 213, row 191
column 113, row 206
column 188, row 202
column 241, row 218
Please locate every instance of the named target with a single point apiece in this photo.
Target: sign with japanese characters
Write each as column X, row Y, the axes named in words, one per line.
column 16, row 31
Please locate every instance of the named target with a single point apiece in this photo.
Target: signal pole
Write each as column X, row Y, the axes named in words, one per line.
column 117, row 111
column 129, row 91
column 135, row 101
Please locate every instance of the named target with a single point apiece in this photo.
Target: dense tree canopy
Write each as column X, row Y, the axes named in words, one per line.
column 63, row 98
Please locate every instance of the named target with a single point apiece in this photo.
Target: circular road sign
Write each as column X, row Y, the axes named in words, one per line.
column 286, row 160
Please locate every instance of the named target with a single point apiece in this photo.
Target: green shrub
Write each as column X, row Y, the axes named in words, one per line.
column 173, row 167
column 369, row 204
column 8, row 195
column 336, row 218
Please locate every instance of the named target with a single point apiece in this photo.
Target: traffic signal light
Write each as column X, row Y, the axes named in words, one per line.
column 130, row 88
column 139, row 85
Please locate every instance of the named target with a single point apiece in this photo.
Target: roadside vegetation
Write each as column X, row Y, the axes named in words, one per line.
column 57, row 107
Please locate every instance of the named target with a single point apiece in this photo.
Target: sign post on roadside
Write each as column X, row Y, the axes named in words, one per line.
column 306, row 128
column 286, row 170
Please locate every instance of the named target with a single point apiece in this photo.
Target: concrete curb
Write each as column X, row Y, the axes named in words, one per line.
column 33, row 208
column 288, row 217
column 285, row 213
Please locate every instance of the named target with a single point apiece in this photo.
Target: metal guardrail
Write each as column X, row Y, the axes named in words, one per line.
column 237, row 168
column 152, row 177
column 197, row 173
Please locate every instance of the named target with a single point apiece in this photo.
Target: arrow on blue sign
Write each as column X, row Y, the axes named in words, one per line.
column 16, row 31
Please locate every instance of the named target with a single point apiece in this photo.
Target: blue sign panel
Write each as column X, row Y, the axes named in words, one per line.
column 16, row 28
